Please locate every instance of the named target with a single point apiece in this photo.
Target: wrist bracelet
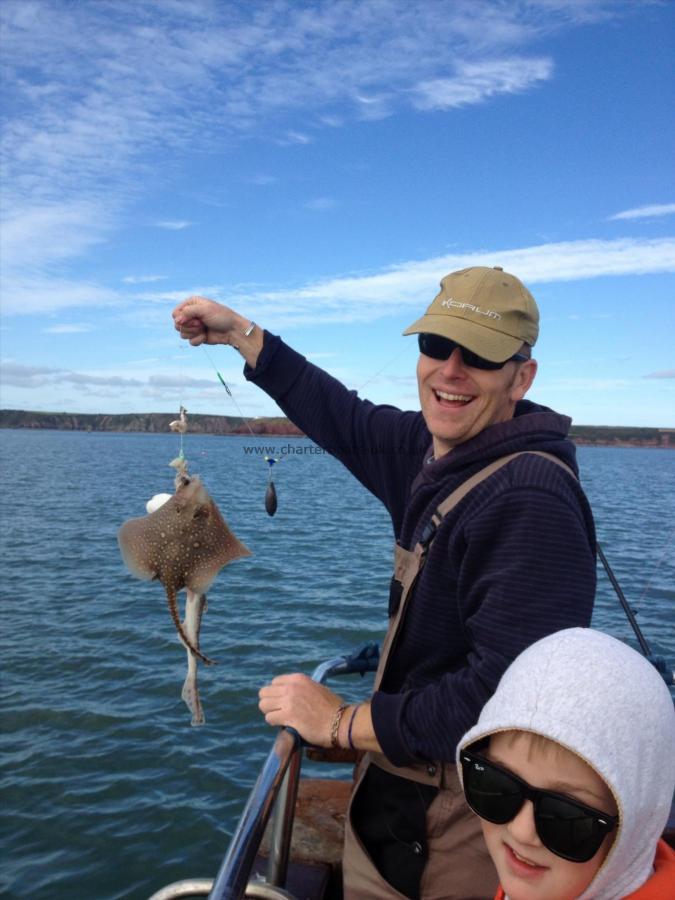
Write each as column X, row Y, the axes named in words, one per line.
column 349, row 730
column 250, row 328
column 335, row 726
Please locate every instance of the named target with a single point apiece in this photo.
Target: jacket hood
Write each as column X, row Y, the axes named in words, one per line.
column 604, row 701
column 533, row 427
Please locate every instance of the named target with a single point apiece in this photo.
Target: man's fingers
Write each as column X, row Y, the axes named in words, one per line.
column 190, row 324
column 274, row 717
column 294, row 677
column 272, row 696
column 183, row 309
column 191, row 305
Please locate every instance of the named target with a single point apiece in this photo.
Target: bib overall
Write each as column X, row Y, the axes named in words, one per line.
column 412, row 822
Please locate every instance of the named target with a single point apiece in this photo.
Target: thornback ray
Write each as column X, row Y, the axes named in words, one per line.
column 183, row 544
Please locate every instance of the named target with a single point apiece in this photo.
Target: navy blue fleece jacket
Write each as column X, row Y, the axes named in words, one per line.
column 514, row 561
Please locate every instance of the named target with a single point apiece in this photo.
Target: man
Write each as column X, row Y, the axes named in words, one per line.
column 485, row 565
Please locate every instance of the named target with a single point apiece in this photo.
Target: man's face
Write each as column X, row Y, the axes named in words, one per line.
column 459, row 401
column 527, row 870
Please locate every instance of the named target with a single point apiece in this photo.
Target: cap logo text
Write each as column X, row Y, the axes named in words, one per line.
column 458, row 304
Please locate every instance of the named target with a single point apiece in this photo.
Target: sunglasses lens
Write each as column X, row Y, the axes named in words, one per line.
column 479, row 362
column 441, row 348
column 435, row 346
column 567, row 830
column 491, row 793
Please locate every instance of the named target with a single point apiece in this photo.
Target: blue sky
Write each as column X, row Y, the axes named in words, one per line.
column 320, row 166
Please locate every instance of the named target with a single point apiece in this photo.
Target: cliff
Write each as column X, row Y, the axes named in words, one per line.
column 592, row 435
column 146, row 422
column 622, row 436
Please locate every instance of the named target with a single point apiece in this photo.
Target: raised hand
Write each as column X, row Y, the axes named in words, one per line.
column 203, row 321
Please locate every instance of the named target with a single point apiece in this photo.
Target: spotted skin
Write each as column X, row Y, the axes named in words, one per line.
column 184, row 544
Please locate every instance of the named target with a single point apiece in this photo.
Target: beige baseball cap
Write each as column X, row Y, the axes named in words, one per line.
column 485, row 310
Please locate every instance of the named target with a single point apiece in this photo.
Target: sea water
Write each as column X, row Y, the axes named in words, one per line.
column 107, row 791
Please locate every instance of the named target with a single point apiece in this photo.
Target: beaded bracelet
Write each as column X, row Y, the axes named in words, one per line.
column 349, row 730
column 335, row 726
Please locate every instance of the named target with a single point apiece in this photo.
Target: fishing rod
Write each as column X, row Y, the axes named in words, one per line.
column 659, row 662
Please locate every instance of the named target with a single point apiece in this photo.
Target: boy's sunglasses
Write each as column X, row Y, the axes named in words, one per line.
column 565, row 827
column 438, row 347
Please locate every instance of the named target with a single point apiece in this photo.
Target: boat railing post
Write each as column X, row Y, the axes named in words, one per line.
column 276, row 788
column 284, row 810
column 282, row 823
column 236, row 868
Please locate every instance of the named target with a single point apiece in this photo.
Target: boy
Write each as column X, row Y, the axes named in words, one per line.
column 571, row 768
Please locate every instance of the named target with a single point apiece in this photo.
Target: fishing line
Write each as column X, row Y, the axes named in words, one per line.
column 660, row 664
column 663, row 556
column 271, row 491
column 229, row 392
column 405, row 349
column 181, row 381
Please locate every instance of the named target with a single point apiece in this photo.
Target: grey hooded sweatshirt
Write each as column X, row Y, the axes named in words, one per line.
column 604, row 701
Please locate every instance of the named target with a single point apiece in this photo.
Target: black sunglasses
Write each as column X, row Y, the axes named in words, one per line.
column 565, row 827
column 438, row 347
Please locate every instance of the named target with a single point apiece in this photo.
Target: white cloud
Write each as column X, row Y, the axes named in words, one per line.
column 362, row 298
column 321, row 204
column 173, row 297
column 475, row 82
column 262, row 180
column 135, row 385
column 174, row 224
column 108, row 101
column 143, row 279
column 23, row 294
column 47, row 234
column 666, row 373
column 367, row 297
column 18, row 375
column 294, row 137
column 104, row 94
column 68, row 329
column 587, row 385
column 646, row 212
column 332, row 121
column 38, row 377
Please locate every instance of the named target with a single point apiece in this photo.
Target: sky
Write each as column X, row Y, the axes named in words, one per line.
column 319, row 167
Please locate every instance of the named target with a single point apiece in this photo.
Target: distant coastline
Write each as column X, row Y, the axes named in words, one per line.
column 589, row 435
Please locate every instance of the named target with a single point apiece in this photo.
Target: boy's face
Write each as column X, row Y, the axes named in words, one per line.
column 527, row 870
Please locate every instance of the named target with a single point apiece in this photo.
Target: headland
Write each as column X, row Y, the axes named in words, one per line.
column 586, row 435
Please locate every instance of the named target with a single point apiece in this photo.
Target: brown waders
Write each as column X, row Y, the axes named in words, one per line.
column 433, row 842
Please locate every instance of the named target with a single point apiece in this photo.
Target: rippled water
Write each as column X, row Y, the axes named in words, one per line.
column 107, row 791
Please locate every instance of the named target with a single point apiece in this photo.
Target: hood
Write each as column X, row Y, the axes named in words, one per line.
column 533, row 427
column 599, row 698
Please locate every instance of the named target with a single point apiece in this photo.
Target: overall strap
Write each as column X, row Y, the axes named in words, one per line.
column 444, row 508
column 409, row 563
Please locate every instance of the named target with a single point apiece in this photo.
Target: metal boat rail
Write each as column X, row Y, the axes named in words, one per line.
column 275, row 790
